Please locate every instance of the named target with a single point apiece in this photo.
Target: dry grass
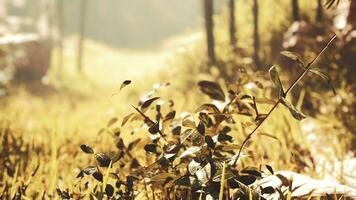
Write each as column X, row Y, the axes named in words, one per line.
column 74, row 108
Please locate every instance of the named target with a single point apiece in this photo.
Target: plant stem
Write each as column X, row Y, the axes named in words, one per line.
column 296, row 81
column 222, row 182
column 152, row 122
column 309, row 66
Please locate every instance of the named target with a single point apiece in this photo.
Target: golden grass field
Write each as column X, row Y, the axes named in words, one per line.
column 54, row 118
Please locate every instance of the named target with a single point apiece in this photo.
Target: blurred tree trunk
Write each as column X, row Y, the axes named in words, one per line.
column 232, row 24
column 319, row 11
column 209, row 27
column 295, row 10
column 60, row 33
column 351, row 18
column 3, row 9
column 256, row 37
column 83, row 5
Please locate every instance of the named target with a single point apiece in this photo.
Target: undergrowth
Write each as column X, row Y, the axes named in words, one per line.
column 190, row 156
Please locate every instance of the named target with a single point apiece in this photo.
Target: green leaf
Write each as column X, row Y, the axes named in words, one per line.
column 293, row 110
column 276, row 81
column 323, row 75
column 212, row 89
column 294, row 56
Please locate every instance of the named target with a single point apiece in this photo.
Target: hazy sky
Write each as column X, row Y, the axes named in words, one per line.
column 123, row 23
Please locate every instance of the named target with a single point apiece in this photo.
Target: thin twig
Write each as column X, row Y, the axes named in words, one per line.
column 309, row 66
column 150, row 121
column 296, row 81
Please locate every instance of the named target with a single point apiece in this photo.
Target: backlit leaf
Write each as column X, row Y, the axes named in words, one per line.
column 190, row 151
column 224, row 137
column 247, row 179
column 293, row 110
column 154, row 128
column 103, row 159
column 323, row 75
column 162, row 177
column 252, row 171
column 147, row 103
column 294, row 56
column 208, row 107
column 218, row 175
column 201, row 128
column 188, row 122
column 98, row 176
column 111, row 122
column 151, row 148
column 133, row 144
column 89, row 170
column 204, row 174
column 109, row 190
column 193, row 166
column 209, row 141
column 267, row 190
column 276, row 81
column 186, row 180
column 86, row 149
column 170, row 115
column 126, row 118
column 177, row 130
column 270, row 169
column 125, row 83
column 185, row 135
column 212, row 89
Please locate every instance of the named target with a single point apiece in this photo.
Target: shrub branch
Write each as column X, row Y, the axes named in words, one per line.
column 295, row 82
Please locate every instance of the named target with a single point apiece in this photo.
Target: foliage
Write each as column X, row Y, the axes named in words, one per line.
column 191, row 156
column 159, row 151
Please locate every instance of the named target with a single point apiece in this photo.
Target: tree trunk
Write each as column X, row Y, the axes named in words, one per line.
column 351, row 18
column 256, row 37
column 60, row 33
column 295, row 10
column 209, row 25
column 81, row 35
column 319, row 11
column 232, row 24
